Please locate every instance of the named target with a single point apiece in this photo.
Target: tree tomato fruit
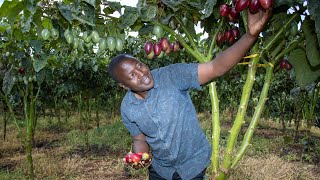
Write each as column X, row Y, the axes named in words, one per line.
column 102, row 44
column 95, row 36
column 172, row 24
column 119, row 44
column 86, row 37
column 235, row 32
column 227, row 35
column 135, row 158
column 76, row 42
column 265, row 4
column 145, row 156
column 161, row 54
column 69, row 38
column 148, row 47
column 157, row 48
column 45, row 33
column 233, row 15
column 224, row 10
column 150, row 55
column 242, row 5
column 54, row 33
column 288, row 66
column 254, row 6
column 283, row 64
column 111, row 42
column 220, row 38
column 164, row 44
column 185, row 21
column 158, row 31
column 21, row 70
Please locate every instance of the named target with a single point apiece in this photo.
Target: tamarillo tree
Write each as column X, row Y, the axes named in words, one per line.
column 39, row 38
column 281, row 38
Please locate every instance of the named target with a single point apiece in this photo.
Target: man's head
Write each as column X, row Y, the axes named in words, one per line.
column 131, row 73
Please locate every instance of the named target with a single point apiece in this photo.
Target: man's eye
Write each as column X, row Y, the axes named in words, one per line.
column 131, row 76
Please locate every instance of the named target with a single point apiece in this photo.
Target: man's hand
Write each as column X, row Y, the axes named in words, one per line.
column 257, row 21
column 138, row 160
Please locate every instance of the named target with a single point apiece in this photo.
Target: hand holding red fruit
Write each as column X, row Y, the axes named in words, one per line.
column 137, row 160
column 257, row 21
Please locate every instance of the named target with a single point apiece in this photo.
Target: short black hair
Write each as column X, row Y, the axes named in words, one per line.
column 115, row 62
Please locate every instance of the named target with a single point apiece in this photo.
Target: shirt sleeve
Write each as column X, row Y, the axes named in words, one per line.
column 184, row 76
column 131, row 126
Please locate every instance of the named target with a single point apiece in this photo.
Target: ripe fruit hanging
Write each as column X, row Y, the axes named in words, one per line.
column 164, row 44
column 265, row 4
column 254, row 6
column 148, row 47
column 21, row 70
column 157, row 49
column 241, row 5
column 285, row 64
column 224, row 10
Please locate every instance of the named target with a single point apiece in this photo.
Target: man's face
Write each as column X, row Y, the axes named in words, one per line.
column 134, row 75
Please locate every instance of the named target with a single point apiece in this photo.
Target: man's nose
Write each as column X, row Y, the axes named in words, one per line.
column 139, row 73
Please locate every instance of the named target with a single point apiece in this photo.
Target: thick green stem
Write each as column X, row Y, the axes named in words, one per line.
column 28, row 111
column 215, row 128
column 191, row 40
column 256, row 116
column 241, row 110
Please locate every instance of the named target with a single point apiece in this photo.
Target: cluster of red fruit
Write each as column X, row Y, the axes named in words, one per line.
column 228, row 36
column 285, row 64
column 239, row 5
column 140, row 158
column 159, row 48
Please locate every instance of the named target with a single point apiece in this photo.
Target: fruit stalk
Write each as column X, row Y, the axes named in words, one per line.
column 279, row 33
column 194, row 52
column 215, row 127
column 256, row 117
column 213, row 42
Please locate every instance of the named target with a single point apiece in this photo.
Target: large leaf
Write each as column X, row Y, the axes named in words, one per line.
column 314, row 9
column 40, row 63
column 208, row 8
column 313, row 53
column 305, row 74
column 7, row 82
column 66, row 12
column 4, row 26
column 147, row 13
column 130, row 16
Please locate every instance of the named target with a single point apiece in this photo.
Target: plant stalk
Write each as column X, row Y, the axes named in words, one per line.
column 256, row 117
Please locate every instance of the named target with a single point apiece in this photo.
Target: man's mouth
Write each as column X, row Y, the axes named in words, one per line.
column 145, row 80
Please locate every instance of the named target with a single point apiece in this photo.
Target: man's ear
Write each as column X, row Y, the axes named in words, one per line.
column 123, row 86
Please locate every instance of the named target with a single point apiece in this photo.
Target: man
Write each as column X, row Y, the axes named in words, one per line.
column 158, row 111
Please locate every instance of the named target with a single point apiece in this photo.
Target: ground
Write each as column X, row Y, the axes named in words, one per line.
column 56, row 157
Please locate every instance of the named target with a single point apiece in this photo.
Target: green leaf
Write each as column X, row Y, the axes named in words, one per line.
column 208, row 8
column 7, row 82
column 40, row 63
column 66, row 12
column 91, row 2
column 130, row 16
column 314, row 9
column 4, row 26
column 31, row 6
column 173, row 4
column 313, row 53
column 36, row 45
column 13, row 13
column 6, row 7
column 147, row 13
column 305, row 74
